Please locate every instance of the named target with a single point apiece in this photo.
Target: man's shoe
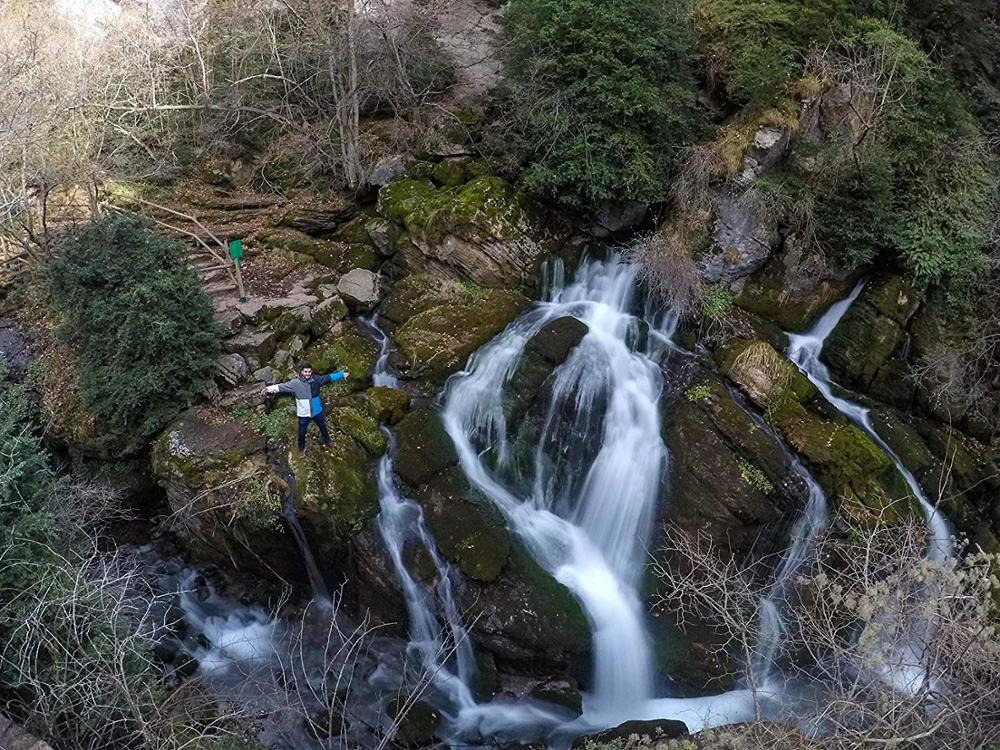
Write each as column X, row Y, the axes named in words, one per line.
column 302, row 452
column 328, row 445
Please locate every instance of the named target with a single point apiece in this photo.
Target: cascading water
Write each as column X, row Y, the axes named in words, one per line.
column 905, row 671
column 804, row 532
column 586, row 516
column 804, row 350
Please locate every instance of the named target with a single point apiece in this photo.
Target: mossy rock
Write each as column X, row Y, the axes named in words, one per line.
column 788, row 294
column 486, row 204
column 334, row 487
column 468, row 529
column 224, row 494
column 424, row 447
column 480, row 230
column 449, row 173
column 526, row 618
column 345, row 347
column 438, row 341
column 852, row 469
column 387, row 405
column 414, row 294
column 766, row 376
column 358, row 423
column 546, row 350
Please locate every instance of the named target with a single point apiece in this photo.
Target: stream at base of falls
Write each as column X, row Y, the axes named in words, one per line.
column 585, row 515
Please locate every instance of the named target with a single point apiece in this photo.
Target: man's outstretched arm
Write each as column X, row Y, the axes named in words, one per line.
column 333, row 377
column 280, row 388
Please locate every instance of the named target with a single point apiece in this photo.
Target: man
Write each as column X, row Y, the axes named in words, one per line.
column 308, row 405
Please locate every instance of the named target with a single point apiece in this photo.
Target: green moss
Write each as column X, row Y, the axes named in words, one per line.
column 549, row 598
column 485, row 206
column 324, row 252
column 360, row 426
column 335, row 486
column 414, row 294
column 698, row 393
column 387, row 404
column 468, row 530
column 346, row 347
column 449, row 173
column 848, row 464
column 753, row 476
column 425, row 448
column 439, row 340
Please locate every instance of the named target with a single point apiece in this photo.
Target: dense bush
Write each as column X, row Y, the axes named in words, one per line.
column 906, row 175
column 753, row 50
column 138, row 320
column 602, row 96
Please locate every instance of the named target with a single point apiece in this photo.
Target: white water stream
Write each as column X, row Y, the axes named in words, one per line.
column 905, row 670
column 585, row 515
column 804, row 350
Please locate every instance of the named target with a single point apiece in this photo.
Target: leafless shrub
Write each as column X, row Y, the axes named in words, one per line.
column 891, row 648
column 667, row 269
column 81, row 651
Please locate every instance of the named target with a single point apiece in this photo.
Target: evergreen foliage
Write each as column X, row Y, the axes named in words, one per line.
column 604, row 96
column 138, row 320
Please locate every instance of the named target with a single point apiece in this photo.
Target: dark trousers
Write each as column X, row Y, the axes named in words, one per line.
column 320, row 421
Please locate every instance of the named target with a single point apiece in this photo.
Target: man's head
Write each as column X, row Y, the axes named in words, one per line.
column 305, row 370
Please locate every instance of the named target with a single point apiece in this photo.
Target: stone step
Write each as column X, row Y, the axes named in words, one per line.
column 221, row 287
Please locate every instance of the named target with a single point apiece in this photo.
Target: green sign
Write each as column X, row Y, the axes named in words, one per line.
column 235, row 249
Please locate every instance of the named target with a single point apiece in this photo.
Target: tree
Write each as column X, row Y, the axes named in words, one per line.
column 602, row 96
column 138, row 320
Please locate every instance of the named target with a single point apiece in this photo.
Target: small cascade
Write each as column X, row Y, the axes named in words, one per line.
column 316, row 583
column 804, row 350
column 381, row 375
column 907, row 672
column 806, row 528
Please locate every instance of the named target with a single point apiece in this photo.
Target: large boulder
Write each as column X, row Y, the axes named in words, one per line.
column 360, row 290
column 858, row 477
column 215, row 472
column 479, row 231
column 443, row 323
column 520, row 613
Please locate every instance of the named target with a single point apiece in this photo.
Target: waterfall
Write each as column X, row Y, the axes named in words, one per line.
column 906, row 671
column 804, row 532
column 439, row 640
column 804, row 350
column 587, row 515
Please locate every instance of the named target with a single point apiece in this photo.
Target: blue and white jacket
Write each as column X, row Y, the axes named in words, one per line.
column 306, row 392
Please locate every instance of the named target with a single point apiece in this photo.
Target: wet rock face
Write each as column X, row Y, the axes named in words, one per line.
column 871, row 332
column 441, row 323
column 478, row 231
column 732, row 480
column 518, row 612
column 729, row 477
column 856, row 474
column 742, row 241
column 546, row 350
